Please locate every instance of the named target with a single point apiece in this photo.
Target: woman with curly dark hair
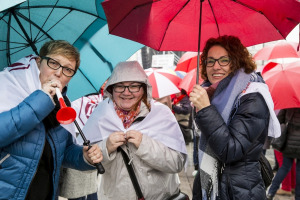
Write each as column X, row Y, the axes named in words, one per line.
column 234, row 112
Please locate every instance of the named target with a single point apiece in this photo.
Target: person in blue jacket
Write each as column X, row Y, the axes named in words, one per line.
column 33, row 145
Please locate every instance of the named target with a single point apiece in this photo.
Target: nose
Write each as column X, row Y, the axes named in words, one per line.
column 216, row 66
column 126, row 91
column 58, row 72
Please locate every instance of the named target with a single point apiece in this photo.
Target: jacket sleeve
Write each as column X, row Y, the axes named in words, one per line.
column 23, row 118
column 185, row 107
column 159, row 156
column 231, row 142
column 73, row 156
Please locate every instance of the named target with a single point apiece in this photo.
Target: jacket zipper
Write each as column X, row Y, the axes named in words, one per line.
column 36, row 169
column 54, row 157
column 4, row 158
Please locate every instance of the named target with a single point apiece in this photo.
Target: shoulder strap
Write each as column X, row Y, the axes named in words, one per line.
column 132, row 174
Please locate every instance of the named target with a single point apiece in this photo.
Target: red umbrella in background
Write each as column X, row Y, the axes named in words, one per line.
column 176, row 25
column 187, row 62
column 189, row 81
column 282, row 49
column 284, row 84
column 163, row 81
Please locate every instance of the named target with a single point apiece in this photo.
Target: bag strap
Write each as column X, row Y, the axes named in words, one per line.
column 132, row 174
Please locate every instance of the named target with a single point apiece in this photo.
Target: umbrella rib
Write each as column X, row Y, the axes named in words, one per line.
column 30, row 27
column 87, row 79
column 36, row 37
column 64, row 7
column 25, row 33
column 165, row 32
column 212, row 10
column 247, row 6
column 101, row 56
column 31, row 22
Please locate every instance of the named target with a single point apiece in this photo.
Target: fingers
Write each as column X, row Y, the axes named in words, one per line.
column 50, row 85
column 94, row 154
column 134, row 137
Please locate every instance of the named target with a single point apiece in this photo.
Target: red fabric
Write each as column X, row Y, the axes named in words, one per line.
column 282, row 49
column 284, row 83
column 187, row 62
column 289, row 182
column 178, row 99
column 174, row 25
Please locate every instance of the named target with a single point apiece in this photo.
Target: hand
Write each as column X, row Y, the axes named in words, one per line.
column 115, row 140
column 134, row 137
column 49, row 86
column 93, row 155
column 199, row 97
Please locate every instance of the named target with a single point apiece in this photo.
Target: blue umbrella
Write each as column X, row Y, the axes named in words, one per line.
column 99, row 54
column 27, row 26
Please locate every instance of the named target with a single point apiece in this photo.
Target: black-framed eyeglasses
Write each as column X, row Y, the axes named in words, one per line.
column 131, row 88
column 223, row 61
column 53, row 64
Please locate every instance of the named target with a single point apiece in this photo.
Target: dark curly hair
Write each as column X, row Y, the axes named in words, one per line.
column 238, row 53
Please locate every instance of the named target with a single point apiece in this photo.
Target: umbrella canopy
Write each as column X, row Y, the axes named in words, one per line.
column 174, row 25
column 27, row 26
column 164, row 82
column 284, row 83
column 187, row 62
column 282, row 49
column 189, row 81
column 99, row 55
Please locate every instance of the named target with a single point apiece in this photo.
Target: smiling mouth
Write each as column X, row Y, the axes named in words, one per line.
column 217, row 75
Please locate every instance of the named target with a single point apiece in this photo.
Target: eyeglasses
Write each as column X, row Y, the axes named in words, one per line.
column 223, row 61
column 53, row 64
column 131, row 88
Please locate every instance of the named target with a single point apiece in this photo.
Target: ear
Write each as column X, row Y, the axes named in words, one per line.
column 38, row 61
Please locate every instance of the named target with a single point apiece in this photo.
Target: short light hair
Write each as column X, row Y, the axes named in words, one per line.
column 63, row 48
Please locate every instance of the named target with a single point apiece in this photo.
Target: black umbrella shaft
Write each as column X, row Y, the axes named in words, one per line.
column 199, row 41
column 86, row 142
column 25, row 33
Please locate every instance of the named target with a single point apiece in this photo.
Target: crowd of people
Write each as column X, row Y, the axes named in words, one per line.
column 141, row 142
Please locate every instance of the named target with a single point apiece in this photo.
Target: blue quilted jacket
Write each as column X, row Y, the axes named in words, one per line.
column 22, row 139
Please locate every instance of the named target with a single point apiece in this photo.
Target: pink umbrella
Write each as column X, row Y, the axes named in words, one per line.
column 282, row 49
column 187, row 62
column 284, row 83
column 189, row 81
column 163, row 82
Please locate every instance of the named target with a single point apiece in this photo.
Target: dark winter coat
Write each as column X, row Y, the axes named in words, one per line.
column 238, row 146
column 292, row 148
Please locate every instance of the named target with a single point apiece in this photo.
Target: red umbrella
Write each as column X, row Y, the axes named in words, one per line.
column 187, row 62
column 189, row 81
column 164, row 82
column 282, row 49
column 284, row 83
column 174, row 25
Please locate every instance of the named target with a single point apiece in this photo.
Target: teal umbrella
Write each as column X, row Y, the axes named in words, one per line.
column 27, row 26
column 99, row 54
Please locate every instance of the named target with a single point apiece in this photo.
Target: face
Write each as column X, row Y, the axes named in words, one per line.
column 217, row 72
column 127, row 100
column 47, row 74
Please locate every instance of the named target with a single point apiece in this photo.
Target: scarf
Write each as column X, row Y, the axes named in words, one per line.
column 225, row 97
column 127, row 117
column 159, row 124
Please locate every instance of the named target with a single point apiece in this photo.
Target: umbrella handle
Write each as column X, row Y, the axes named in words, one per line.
column 86, row 142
